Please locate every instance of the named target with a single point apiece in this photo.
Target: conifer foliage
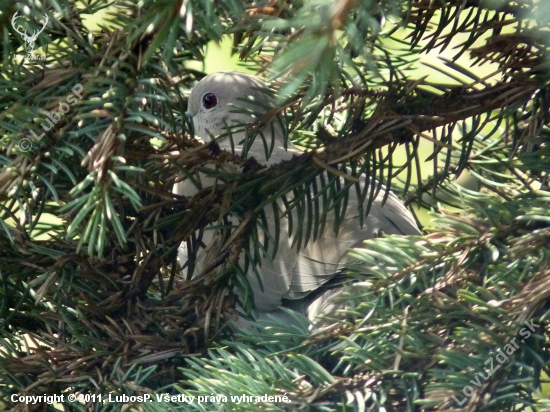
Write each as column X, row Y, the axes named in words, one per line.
column 93, row 137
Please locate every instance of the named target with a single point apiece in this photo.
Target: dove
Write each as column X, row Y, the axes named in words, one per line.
column 308, row 279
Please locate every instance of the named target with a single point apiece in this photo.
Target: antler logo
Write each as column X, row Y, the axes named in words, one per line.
column 29, row 40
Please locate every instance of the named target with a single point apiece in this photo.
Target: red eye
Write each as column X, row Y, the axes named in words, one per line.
column 209, row 100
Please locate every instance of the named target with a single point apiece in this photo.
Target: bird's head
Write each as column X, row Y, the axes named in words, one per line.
column 227, row 99
column 223, row 103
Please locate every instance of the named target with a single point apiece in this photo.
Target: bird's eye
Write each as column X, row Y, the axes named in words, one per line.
column 209, row 100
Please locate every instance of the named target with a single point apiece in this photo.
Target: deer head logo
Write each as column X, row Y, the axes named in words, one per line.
column 29, row 40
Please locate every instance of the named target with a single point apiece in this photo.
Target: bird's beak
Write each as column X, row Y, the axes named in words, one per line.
column 189, row 121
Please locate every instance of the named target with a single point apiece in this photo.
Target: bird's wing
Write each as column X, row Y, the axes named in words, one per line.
column 295, row 274
column 275, row 272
